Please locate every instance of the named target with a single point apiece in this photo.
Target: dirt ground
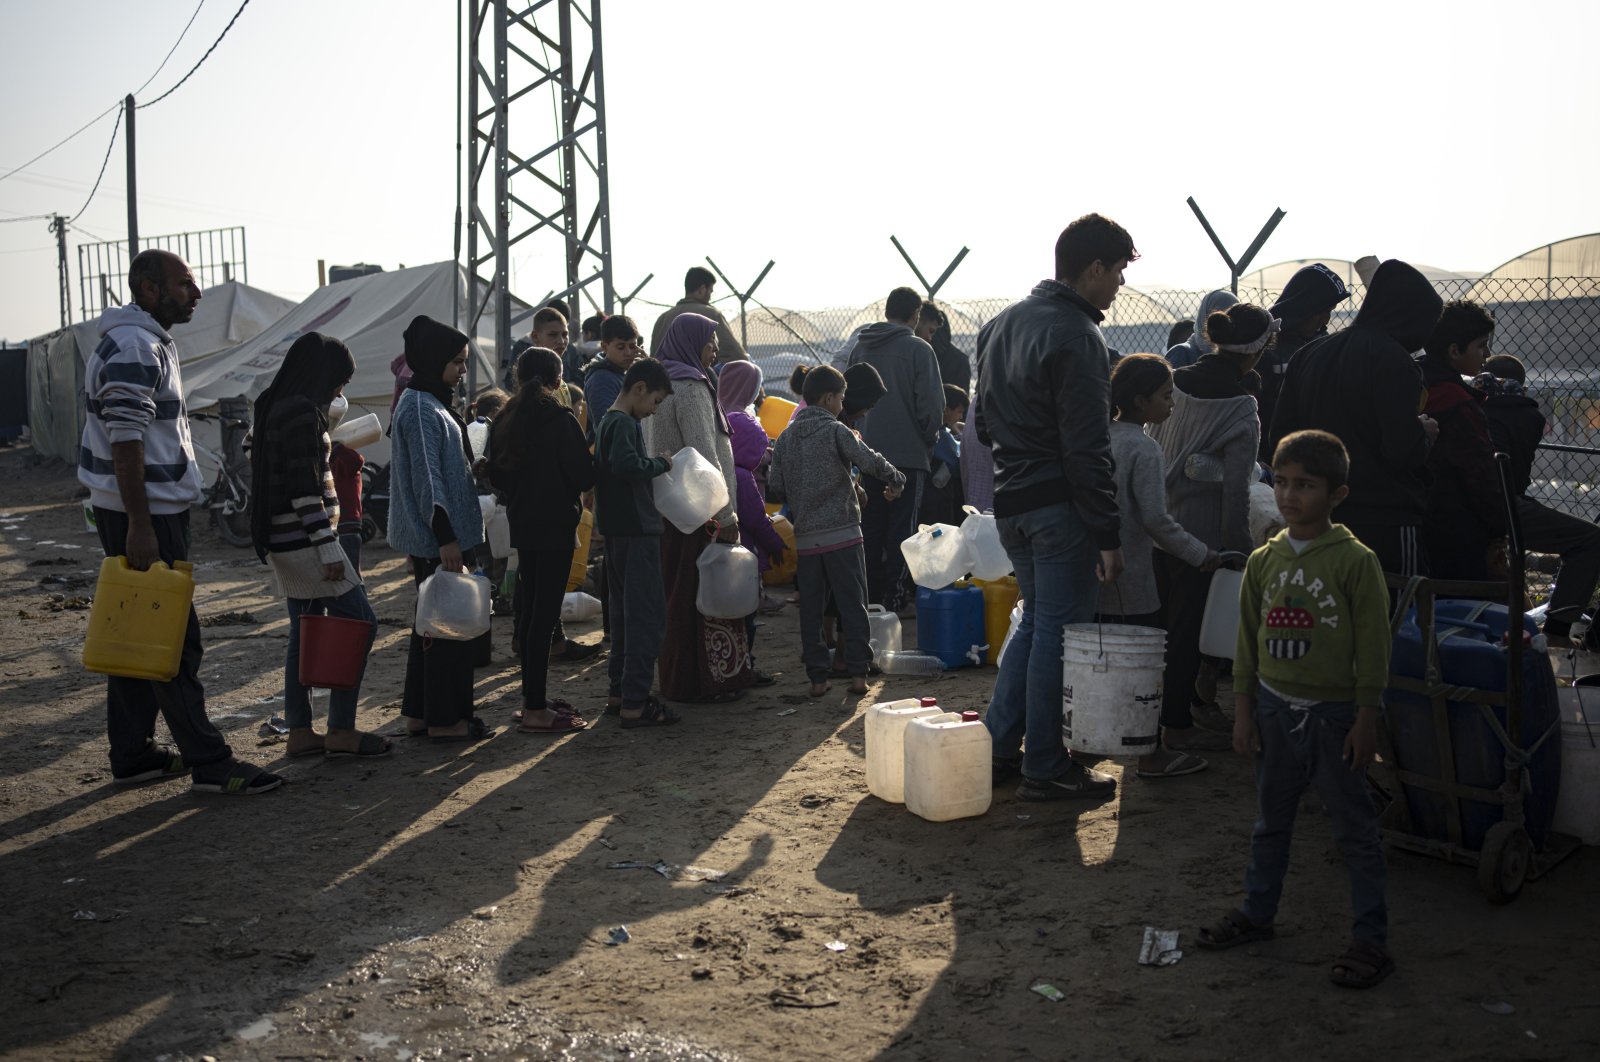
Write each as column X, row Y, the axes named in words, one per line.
column 456, row 902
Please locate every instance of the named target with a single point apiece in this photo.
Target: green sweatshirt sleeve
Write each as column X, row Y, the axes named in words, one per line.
column 1369, row 597
column 623, row 459
column 1246, row 649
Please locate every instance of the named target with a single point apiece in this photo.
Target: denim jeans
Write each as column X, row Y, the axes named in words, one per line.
column 1300, row 748
column 350, row 542
column 638, row 615
column 1054, row 557
column 352, row 604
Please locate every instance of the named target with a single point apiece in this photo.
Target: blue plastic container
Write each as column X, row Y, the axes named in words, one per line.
column 950, row 623
column 1473, row 657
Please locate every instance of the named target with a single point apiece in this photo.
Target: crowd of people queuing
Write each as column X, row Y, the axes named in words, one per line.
column 1119, row 485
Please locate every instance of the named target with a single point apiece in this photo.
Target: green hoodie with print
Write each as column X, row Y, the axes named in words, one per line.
column 1314, row 624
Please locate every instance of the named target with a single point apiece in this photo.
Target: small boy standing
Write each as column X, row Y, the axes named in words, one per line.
column 625, row 512
column 811, row 471
column 1311, row 664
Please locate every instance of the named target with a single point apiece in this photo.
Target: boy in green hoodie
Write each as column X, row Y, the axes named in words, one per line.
column 1310, row 668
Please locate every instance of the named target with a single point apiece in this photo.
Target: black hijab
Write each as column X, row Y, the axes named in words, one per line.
column 430, row 346
column 313, row 370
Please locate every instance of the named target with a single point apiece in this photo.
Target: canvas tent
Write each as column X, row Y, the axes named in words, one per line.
column 370, row 314
column 228, row 314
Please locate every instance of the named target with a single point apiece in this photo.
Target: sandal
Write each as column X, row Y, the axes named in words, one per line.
column 1181, row 764
column 238, row 779
column 370, row 747
column 654, row 714
column 1362, row 965
column 159, row 763
column 1231, row 930
column 477, row 730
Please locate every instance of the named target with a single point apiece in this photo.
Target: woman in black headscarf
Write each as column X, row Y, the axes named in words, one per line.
column 294, row 516
column 435, row 519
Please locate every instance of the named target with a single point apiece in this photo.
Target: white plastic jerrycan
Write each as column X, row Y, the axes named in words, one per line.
column 937, row 555
column 982, row 534
column 691, row 492
column 949, row 773
column 730, row 582
column 886, row 744
column 453, row 606
column 883, row 629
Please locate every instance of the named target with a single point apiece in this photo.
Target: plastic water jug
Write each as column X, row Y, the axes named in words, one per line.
column 1219, row 629
column 691, row 492
column 999, row 599
column 1111, row 688
column 937, row 555
column 580, row 555
column 883, row 631
column 950, row 625
column 909, row 663
column 982, row 534
column 730, row 582
column 138, row 620
column 1011, row 632
column 333, row 651
column 362, row 431
column 949, row 771
column 453, row 606
column 578, row 607
column 783, row 574
column 774, row 415
column 886, row 744
column 496, row 526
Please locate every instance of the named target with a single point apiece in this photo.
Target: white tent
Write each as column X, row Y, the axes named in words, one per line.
column 228, row 314
column 370, row 314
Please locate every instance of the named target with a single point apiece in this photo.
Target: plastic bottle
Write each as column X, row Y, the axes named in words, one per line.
column 910, row 662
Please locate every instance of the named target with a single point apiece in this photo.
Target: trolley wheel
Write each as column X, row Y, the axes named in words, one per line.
column 369, row 528
column 1504, row 862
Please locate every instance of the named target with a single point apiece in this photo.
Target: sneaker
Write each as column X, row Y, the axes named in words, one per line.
column 1075, row 781
column 158, row 764
column 1006, row 769
column 235, row 778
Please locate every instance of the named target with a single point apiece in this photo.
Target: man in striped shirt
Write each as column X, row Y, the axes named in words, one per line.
column 138, row 462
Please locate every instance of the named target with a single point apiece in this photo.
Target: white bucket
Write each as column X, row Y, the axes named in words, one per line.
column 1111, row 688
column 1578, row 804
column 1219, row 629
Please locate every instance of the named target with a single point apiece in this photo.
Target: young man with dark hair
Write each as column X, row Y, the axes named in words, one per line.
column 1517, row 426
column 903, row 428
column 933, row 327
column 697, row 285
column 1361, row 386
column 1044, row 406
column 138, row 462
column 1305, row 308
column 1466, row 511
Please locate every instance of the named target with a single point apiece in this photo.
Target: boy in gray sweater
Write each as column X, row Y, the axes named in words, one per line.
column 812, row 463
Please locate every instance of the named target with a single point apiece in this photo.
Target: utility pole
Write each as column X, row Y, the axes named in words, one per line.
column 58, row 225
column 133, row 180
column 1237, row 269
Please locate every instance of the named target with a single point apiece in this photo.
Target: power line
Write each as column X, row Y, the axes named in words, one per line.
column 103, row 163
column 203, row 58
column 63, row 142
column 174, row 48
column 30, row 217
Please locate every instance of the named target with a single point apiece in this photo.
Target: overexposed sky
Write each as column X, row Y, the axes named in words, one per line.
column 1455, row 134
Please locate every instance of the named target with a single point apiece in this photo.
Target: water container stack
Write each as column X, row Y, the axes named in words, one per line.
column 935, row 762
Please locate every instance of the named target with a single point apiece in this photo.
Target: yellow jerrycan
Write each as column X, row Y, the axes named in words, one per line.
column 138, row 621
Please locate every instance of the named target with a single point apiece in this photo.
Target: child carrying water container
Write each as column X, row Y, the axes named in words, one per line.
column 1141, row 394
column 811, row 470
column 1311, row 664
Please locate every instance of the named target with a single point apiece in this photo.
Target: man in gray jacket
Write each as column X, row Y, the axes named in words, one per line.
column 902, row 427
column 1044, row 406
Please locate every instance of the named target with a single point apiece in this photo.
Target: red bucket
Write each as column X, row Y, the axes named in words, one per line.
column 333, row 651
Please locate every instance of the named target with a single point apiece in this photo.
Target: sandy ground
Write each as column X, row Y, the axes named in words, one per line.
column 455, row 902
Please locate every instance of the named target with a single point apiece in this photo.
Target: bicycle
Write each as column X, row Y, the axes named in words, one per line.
column 228, row 496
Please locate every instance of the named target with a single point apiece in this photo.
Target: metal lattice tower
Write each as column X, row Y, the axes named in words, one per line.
column 537, row 180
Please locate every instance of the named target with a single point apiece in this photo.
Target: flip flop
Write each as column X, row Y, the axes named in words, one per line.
column 1181, row 765
column 1362, row 966
column 477, row 730
column 370, row 747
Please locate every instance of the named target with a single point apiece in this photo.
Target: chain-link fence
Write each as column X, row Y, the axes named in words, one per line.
column 1551, row 324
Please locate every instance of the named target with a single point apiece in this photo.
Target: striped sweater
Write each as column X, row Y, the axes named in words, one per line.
column 133, row 392
column 302, row 503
